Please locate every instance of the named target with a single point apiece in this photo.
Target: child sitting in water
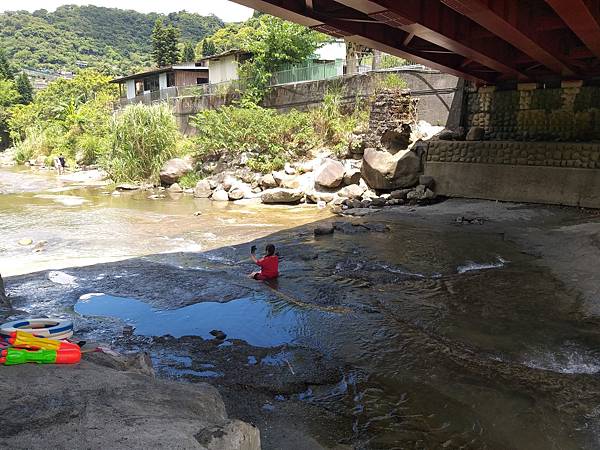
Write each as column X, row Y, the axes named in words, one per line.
column 269, row 264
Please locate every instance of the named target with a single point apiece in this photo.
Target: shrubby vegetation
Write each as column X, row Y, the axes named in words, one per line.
column 270, row 138
column 67, row 117
column 142, row 139
column 113, row 41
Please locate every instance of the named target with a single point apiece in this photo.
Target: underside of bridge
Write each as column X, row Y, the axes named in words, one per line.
column 485, row 41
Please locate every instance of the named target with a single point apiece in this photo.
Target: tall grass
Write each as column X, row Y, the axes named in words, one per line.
column 142, row 138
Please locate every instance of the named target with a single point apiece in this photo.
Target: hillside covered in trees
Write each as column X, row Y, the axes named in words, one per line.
column 111, row 40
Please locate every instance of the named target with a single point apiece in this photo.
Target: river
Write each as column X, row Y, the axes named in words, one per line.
column 418, row 333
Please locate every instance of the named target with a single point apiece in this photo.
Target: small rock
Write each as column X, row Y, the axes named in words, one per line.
column 25, row 242
column 352, row 176
column 268, row 181
column 353, row 203
column 127, row 187
column 475, row 134
column 400, row 194
column 366, row 203
column 378, row 201
column 175, row 188
column 198, row 213
column 236, row 194
column 288, row 169
column 128, row 330
column 426, row 180
column 256, row 190
column 219, row 335
column 351, row 191
column 280, row 195
column 156, row 196
column 220, row 196
column 39, row 246
column 202, row 189
column 324, row 230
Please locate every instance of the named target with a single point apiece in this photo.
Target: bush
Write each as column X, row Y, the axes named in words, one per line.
column 392, row 81
column 189, row 180
column 272, row 137
column 142, row 138
column 34, row 144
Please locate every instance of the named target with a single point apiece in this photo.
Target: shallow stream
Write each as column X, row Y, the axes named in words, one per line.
column 439, row 337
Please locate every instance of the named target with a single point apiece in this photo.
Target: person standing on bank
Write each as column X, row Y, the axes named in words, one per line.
column 269, row 264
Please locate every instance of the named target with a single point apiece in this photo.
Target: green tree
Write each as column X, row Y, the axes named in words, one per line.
column 25, row 89
column 208, row 47
column 158, row 43
column 189, row 54
column 6, row 71
column 172, row 55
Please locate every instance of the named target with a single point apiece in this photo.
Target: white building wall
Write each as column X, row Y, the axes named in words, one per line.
column 223, row 69
column 130, row 89
column 162, row 81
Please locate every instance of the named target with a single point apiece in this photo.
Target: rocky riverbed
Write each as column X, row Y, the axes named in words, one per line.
column 460, row 324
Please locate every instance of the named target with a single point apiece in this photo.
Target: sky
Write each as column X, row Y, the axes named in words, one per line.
column 226, row 10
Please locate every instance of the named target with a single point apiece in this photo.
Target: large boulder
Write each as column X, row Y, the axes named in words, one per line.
column 202, row 189
column 330, row 174
column 384, row 171
column 174, row 169
column 236, row 193
column 281, row 195
column 84, row 398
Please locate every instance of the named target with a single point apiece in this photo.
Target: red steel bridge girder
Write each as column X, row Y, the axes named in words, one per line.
column 486, row 41
column 374, row 35
column 583, row 17
column 508, row 20
column 440, row 25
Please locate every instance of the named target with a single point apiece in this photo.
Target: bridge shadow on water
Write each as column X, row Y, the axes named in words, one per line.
column 391, row 332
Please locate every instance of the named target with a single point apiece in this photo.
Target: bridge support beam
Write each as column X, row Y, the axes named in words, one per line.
column 583, row 19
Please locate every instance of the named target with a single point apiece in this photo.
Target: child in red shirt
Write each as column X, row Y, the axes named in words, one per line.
column 269, row 264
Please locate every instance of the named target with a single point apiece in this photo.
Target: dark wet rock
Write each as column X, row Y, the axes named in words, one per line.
column 400, row 194
column 203, row 189
column 81, row 401
column 366, row 203
column 376, row 226
column 353, row 203
column 378, row 202
column 470, row 220
column 219, row 335
column 427, row 181
column 324, row 230
column 349, row 227
column 127, row 187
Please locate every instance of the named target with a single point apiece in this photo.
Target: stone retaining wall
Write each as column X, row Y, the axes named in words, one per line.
column 575, row 155
column 533, row 113
column 538, row 172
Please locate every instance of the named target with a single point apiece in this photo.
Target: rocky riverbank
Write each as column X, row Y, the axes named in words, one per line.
column 114, row 402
